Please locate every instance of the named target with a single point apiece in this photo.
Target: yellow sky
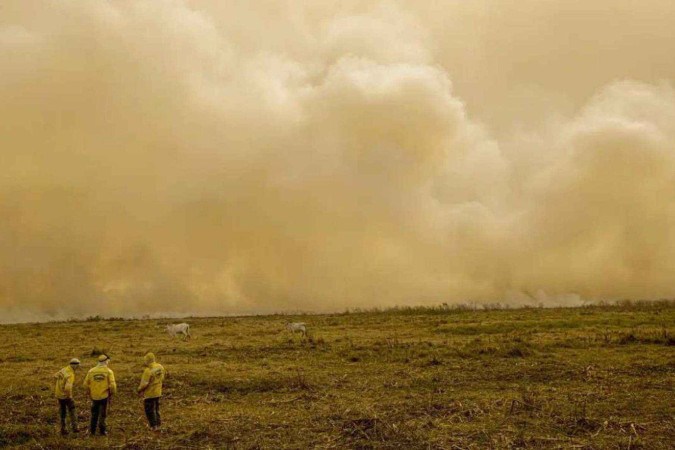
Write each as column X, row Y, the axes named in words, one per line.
column 257, row 155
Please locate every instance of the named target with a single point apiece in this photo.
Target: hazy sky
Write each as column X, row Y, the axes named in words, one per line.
column 265, row 155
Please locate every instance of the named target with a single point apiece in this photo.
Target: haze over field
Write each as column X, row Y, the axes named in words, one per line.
column 256, row 156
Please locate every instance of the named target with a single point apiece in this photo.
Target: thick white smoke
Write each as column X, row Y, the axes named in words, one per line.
column 254, row 156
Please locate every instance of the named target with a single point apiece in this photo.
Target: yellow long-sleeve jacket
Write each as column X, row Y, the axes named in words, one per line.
column 64, row 383
column 151, row 380
column 100, row 381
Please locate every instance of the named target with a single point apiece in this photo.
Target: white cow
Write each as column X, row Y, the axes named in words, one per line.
column 179, row 328
column 297, row 326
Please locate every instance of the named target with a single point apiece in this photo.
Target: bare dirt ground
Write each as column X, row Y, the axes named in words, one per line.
column 587, row 378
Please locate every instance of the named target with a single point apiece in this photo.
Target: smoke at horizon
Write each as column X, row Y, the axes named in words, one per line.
column 192, row 157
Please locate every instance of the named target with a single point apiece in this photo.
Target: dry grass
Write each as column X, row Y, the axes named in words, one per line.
column 587, row 378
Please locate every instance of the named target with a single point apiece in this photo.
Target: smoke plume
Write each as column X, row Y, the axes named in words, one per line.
column 256, row 156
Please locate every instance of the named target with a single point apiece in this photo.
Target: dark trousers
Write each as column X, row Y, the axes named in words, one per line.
column 67, row 405
column 152, row 412
column 99, row 411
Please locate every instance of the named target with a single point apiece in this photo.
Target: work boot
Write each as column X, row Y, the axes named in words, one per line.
column 64, row 432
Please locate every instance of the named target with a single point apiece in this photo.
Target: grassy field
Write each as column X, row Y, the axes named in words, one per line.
column 594, row 377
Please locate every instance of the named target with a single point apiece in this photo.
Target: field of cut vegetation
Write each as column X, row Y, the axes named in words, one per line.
column 438, row 378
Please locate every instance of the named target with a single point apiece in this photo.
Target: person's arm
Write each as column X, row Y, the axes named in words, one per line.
column 58, row 381
column 68, row 388
column 112, row 388
column 145, row 381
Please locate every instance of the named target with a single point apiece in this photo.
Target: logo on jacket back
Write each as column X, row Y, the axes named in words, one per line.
column 99, row 377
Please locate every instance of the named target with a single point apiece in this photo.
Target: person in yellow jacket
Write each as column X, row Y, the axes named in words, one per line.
column 100, row 382
column 65, row 378
column 151, row 389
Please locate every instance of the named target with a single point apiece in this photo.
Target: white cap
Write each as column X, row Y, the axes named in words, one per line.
column 74, row 361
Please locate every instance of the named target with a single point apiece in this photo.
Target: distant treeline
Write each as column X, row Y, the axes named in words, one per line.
column 444, row 308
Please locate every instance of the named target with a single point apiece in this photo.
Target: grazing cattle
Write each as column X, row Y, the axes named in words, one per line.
column 179, row 328
column 297, row 326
